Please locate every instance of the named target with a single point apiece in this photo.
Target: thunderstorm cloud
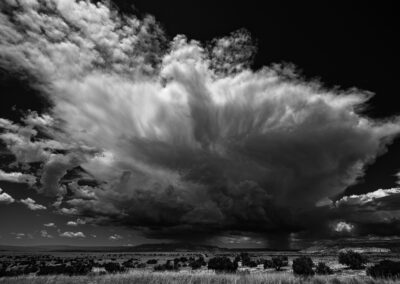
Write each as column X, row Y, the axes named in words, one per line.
column 177, row 138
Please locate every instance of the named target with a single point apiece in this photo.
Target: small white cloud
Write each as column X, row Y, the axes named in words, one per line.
column 58, row 202
column 5, row 198
column 324, row 202
column 343, row 227
column 69, row 211
column 93, row 236
column 80, row 221
column 76, row 223
column 32, row 205
column 115, row 237
column 19, row 236
column 45, row 234
column 72, row 235
column 49, row 225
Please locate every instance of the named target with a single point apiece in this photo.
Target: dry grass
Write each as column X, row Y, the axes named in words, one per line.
column 139, row 277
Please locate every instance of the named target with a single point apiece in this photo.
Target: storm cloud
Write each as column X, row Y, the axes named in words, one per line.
column 177, row 138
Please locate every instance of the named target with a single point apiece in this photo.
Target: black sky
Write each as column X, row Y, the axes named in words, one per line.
column 342, row 43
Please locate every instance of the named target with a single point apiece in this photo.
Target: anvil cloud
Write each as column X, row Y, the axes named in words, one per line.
column 176, row 138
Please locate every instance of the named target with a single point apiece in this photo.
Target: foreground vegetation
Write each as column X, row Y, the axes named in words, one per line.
column 139, row 277
column 197, row 268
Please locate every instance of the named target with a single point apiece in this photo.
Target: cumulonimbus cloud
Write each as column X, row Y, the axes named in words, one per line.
column 177, row 137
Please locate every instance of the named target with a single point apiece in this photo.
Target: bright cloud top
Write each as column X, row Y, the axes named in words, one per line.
column 70, row 235
column 343, row 227
column 180, row 139
column 5, row 198
column 17, row 177
column 370, row 197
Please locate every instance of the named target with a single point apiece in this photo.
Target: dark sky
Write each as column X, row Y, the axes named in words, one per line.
column 125, row 171
column 344, row 44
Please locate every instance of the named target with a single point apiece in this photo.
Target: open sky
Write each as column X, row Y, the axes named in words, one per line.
column 238, row 125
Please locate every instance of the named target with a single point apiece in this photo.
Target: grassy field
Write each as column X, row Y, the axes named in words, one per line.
column 138, row 269
column 138, row 277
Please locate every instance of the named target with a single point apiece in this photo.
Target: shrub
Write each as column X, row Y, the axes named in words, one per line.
column 244, row 258
column 268, row 264
column 279, row 261
column 152, row 261
column 260, row 261
column 176, row 263
column 167, row 266
column 323, row 269
column 221, row 264
column 113, row 267
column 236, row 261
column 196, row 263
column 303, row 266
column 385, row 269
column 252, row 263
column 141, row 265
column 77, row 268
column 159, row 267
column 128, row 264
column 352, row 259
